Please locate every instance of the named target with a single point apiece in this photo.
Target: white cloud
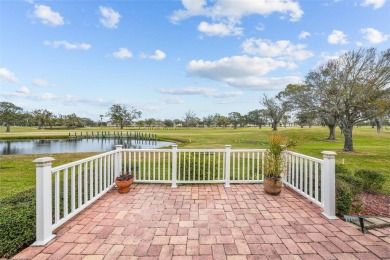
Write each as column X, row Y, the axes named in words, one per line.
column 67, row 45
column 122, row 53
column 260, row 27
column 48, row 16
column 220, row 29
column 283, row 49
column 173, row 100
column 359, row 44
column 263, row 83
column 158, row 55
column 109, row 18
column 8, row 75
column 376, row 3
column 337, row 37
column 303, row 35
column 374, row 36
column 23, row 90
column 243, row 72
column 207, row 92
column 236, row 9
column 236, row 66
column 42, row 83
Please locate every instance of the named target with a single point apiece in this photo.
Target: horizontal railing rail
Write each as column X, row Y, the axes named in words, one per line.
column 64, row 191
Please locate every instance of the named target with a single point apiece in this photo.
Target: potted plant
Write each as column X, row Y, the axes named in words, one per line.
column 124, row 182
column 274, row 163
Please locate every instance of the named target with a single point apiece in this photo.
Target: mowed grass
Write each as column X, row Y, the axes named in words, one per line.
column 17, row 172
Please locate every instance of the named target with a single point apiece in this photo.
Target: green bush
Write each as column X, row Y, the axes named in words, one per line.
column 341, row 169
column 17, row 222
column 372, row 181
column 355, row 183
column 190, row 170
column 344, row 197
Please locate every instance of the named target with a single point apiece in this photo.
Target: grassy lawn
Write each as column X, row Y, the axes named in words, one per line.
column 17, row 172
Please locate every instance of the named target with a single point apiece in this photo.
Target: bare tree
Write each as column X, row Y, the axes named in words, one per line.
column 352, row 85
column 275, row 110
column 190, row 119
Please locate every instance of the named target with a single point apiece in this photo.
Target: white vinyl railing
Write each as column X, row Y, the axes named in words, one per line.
column 63, row 191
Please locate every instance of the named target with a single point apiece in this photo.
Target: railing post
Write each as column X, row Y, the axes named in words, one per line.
column 227, row 165
column 118, row 161
column 43, row 201
column 328, row 184
column 174, row 166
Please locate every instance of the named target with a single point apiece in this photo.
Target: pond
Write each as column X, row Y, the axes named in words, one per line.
column 72, row 146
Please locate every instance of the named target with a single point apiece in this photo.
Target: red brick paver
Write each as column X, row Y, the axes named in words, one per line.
column 206, row 222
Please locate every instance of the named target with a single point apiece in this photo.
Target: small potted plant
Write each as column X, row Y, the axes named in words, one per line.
column 124, row 182
column 274, row 163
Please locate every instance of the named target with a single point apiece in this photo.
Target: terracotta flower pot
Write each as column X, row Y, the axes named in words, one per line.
column 272, row 186
column 124, row 186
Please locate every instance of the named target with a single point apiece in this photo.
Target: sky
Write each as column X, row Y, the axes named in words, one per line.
column 165, row 58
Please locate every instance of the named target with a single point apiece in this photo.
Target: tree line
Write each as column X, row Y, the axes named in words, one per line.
column 345, row 92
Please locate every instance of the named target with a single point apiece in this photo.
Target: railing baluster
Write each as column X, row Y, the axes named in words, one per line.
column 91, row 180
column 219, row 165
column 204, row 166
column 144, row 165
column 57, row 197
column 65, row 192
column 73, row 189
column 154, row 166
column 158, row 161
column 139, row 167
column 214, row 166
column 100, row 174
column 148, row 166
column 234, row 165
column 79, row 184
column 306, row 177
column 96, row 177
column 208, row 166
column 85, row 182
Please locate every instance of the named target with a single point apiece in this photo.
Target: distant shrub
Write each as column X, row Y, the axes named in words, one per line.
column 17, row 222
column 372, row 181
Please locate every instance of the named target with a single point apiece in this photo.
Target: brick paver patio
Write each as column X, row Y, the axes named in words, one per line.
column 206, row 222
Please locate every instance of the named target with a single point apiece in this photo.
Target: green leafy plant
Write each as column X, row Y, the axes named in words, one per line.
column 373, row 181
column 274, row 160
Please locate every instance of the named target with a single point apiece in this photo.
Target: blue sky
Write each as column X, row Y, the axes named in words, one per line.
column 168, row 57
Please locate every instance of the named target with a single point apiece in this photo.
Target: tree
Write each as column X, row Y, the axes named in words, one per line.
column 42, row 117
column 208, row 120
column 312, row 99
column 120, row 116
column 257, row 117
column 353, row 83
column 9, row 113
column 168, row 123
column 275, row 110
column 235, row 118
column 190, row 119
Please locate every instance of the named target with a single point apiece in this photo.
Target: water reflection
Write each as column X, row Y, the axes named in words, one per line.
column 67, row 146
